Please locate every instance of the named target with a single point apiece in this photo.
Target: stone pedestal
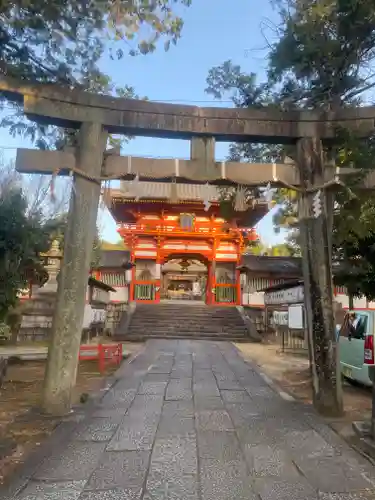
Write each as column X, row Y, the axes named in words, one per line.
column 37, row 315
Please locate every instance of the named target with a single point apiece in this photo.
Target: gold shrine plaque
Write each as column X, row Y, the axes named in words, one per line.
column 187, row 221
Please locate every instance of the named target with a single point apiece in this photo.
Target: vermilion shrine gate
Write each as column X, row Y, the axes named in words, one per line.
column 157, row 229
column 97, row 115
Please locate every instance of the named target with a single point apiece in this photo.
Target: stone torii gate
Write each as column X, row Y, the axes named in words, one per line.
column 96, row 115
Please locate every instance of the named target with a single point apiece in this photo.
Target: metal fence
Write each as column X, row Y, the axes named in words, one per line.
column 293, row 341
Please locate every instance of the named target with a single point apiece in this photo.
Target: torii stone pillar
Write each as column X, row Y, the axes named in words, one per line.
column 316, row 248
column 71, row 294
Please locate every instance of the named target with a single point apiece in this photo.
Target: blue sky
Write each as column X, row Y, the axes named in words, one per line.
column 210, row 36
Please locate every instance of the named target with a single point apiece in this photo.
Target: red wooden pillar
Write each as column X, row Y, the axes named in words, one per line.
column 213, row 272
column 238, row 273
column 131, row 291
column 213, row 282
column 238, row 288
column 158, row 280
column 208, row 285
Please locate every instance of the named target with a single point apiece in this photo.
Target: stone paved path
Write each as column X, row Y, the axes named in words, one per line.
column 190, row 420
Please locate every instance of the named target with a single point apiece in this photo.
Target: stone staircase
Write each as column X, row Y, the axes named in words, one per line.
column 187, row 320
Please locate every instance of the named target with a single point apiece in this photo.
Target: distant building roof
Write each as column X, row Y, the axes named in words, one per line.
column 100, row 284
column 113, row 259
column 283, row 266
column 282, row 286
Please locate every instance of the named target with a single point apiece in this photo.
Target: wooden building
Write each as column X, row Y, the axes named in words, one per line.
column 181, row 224
column 259, row 273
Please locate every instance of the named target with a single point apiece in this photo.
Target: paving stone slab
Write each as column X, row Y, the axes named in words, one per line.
column 284, row 489
column 128, row 381
column 269, row 406
column 203, row 375
column 257, row 435
column 244, row 414
column 118, row 398
column 206, row 388
column 260, row 391
column 114, row 415
column 156, row 377
column 225, row 481
column 143, row 405
column 174, row 455
column 334, row 475
column 181, row 374
column 155, row 388
column 115, row 469
column 175, row 426
column 181, row 383
column 264, row 461
column 219, row 445
column 213, row 420
column 208, row 403
column 96, row 429
column 112, row 494
column 75, row 462
column 133, row 435
column 229, row 385
column 69, row 490
column 147, row 401
column 361, row 495
column 235, row 396
column 180, row 487
column 178, row 393
column 308, row 444
column 198, row 443
column 178, row 409
column 159, row 369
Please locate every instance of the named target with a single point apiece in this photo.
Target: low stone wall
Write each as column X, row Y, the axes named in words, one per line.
column 256, row 316
column 115, row 311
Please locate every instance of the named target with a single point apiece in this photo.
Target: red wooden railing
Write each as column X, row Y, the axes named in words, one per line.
column 106, row 354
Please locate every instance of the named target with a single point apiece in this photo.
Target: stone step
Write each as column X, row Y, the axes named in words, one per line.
column 177, row 324
column 197, row 330
column 141, row 338
column 185, row 321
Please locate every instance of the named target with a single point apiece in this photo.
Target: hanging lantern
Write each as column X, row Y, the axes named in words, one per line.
column 184, row 264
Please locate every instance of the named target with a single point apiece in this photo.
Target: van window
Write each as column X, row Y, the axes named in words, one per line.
column 359, row 331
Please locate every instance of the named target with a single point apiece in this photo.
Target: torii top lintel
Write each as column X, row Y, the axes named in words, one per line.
column 64, row 107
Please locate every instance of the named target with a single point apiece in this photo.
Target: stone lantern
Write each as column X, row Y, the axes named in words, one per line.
column 37, row 316
column 52, row 265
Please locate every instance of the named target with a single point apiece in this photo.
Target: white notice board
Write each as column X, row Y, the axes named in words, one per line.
column 296, row 317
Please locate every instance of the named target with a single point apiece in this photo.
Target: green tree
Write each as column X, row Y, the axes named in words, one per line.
column 63, row 41
column 22, row 238
column 321, row 58
column 280, row 250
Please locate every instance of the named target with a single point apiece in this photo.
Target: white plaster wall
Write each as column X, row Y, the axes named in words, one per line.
column 223, row 268
column 121, row 294
column 257, row 298
column 145, row 264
